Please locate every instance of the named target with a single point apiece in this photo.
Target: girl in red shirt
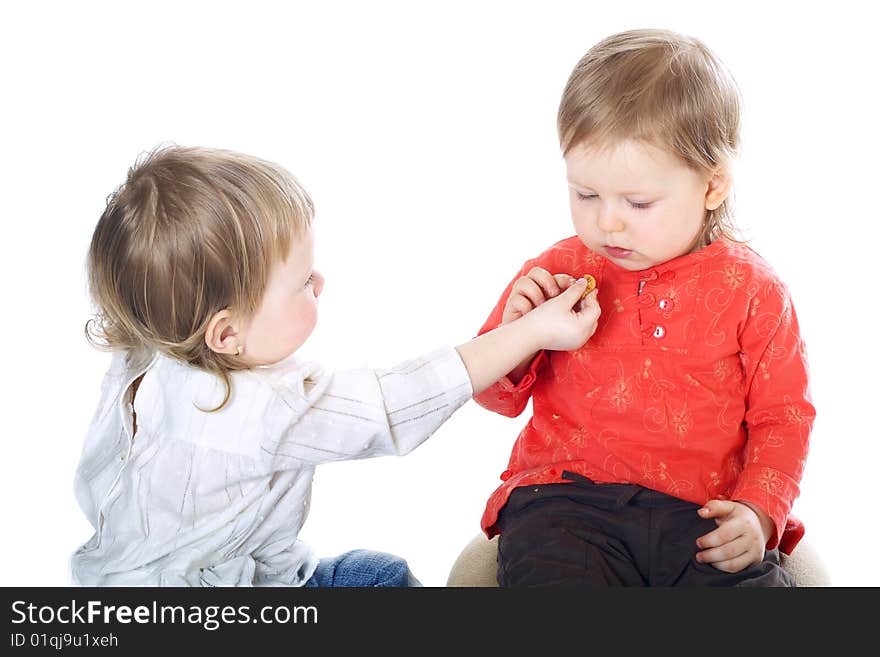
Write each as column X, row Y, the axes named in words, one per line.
column 668, row 449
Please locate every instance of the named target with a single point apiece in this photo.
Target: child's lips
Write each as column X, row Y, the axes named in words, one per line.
column 617, row 252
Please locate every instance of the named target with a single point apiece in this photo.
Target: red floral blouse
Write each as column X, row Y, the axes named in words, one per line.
column 695, row 384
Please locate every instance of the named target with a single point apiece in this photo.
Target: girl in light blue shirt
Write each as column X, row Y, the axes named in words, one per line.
column 197, row 466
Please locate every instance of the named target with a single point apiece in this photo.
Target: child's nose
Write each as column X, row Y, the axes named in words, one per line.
column 609, row 221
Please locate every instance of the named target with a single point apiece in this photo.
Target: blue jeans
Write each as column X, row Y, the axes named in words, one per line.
column 362, row 568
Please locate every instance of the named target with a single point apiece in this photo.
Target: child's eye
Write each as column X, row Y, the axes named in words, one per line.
column 586, row 197
column 640, row 206
column 311, row 280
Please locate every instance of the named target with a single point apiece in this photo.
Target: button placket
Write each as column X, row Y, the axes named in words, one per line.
column 662, row 304
column 665, row 306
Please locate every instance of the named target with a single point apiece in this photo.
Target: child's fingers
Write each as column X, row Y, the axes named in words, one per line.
column 722, row 534
column 564, row 281
column 572, row 296
column 716, row 508
column 734, row 554
column 530, row 289
column 733, row 565
column 591, row 299
column 545, row 281
column 518, row 305
column 590, row 304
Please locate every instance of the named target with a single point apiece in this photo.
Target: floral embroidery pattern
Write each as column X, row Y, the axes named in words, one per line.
column 693, row 384
column 620, row 396
column 733, row 276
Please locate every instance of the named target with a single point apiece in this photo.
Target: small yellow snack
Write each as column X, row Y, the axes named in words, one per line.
column 591, row 285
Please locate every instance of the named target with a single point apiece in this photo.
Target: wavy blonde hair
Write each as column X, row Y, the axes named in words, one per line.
column 190, row 232
column 663, row 88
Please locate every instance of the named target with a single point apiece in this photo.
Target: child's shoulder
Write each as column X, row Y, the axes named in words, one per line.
column 743, row 268
column 567, row 245
column 186, row 404
column 568, row 254
column 749, row 260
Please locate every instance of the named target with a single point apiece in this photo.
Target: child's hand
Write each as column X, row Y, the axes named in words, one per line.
column 739, row 541
column 562, row 323
column 566, row 321
column 533, row 289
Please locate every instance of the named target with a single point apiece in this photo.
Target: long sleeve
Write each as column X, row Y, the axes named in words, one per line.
column 217, row 498
column 779, row 412
column 361, row 413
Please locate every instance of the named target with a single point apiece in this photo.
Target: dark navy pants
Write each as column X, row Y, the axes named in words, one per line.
column 597, row 535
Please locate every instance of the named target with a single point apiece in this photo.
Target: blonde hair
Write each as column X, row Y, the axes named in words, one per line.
column 662, row 88
column 190, row 232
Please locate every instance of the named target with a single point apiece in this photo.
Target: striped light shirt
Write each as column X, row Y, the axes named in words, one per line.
column 198, row 498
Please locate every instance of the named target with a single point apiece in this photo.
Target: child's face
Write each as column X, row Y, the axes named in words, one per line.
column 634, row 203
column 289, row 309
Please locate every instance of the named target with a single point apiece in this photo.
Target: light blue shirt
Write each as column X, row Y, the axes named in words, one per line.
column 218, row 499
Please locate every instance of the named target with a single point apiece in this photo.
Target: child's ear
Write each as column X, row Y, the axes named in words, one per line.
column 223, row 335
column 718, row 187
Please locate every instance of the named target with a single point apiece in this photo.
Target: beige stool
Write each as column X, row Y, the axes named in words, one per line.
column 475, row 566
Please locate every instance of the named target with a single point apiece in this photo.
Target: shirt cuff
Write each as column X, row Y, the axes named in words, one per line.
column 772, row 491
column 528, row 379
column 451, row 372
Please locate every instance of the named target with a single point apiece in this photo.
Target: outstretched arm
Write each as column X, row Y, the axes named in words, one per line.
column 363, row 413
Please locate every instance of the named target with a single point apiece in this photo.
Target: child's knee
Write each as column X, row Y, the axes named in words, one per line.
column 376, row 569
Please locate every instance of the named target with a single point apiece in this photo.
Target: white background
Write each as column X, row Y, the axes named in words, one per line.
column 426, row 135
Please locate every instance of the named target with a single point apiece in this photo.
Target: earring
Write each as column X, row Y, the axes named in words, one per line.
column 239, row 350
